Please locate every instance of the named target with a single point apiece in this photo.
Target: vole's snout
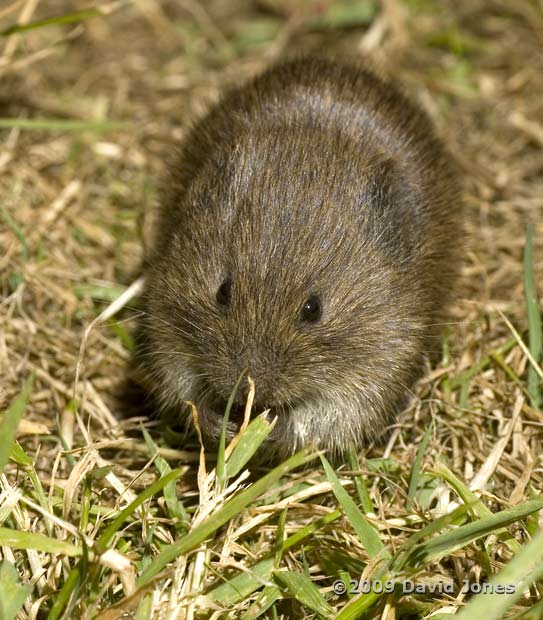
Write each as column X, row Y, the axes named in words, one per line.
column 265, row 390
column 262, row 401
column 264, row 372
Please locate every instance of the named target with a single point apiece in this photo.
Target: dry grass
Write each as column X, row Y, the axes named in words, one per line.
column 74, row 190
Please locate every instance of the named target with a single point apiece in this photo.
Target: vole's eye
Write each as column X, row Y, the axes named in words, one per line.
column 224, row 293
column 312, row 309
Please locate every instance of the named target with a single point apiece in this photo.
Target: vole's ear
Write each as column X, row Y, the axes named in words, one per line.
column 393, row 203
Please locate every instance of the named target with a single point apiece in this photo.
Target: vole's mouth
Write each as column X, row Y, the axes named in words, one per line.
column 237, row 410
column 212, row 410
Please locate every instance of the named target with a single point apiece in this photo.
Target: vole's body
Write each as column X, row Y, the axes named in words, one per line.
column 309, row 235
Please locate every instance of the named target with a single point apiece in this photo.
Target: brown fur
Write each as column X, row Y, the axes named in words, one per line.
column 314, row 179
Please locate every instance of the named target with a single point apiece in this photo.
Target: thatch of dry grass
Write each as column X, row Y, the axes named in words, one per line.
column 101, row 519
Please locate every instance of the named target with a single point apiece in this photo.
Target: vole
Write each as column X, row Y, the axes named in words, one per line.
column 308, row 235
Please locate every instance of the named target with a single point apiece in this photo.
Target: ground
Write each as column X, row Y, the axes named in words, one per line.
column 92, row 104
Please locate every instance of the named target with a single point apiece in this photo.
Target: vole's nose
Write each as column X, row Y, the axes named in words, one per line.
column 266, row 393
column 263, row 390
column 263, row 369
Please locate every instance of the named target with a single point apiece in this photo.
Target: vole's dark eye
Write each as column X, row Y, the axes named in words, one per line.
column 224, row 293
column 312, row 309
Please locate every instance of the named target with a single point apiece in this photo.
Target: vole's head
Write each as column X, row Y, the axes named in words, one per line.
column 282, row 259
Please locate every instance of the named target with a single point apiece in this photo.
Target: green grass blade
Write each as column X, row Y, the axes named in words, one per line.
column 360, row 483
column 482, row 364
column 27, row 540
column 19, row 456
column 248, row 444
column 145, row 608
column 367, row 534
column 174, row 504
column 305, row 592
column 68, row 18
column 534, row 613
column 415, row 472
column 100, row 293
column 475, row 505
column 12, row 593
column 359, row 605
column 266, row 598
column 310, row 529
column 221, row 465
column 105, row 539
column 229, row 510
column 520, row 572
column 10, row 419
column 447, row 543
column 280, row 538
column 63, row 597
column 245, row 583
column 444, row 521
column 535, row 330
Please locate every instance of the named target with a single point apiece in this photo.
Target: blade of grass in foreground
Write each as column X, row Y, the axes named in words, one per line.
column 266, row 598
column 174, row 504
column 357, row 606
column 363, row 602
column 243, row 584
column 246, row 582
column 475, row 505
column 280, row 538
column 523, row 570
column 248, row 444
column 449, row 542
column 360, row 483
column 455, row 517
column 10, row 421
column 13, row 594
column 441, row 545
column 535, row 330
column 19, row 456
column 70, row 586
column 27, row 540
column 221, row 462
column 367, row 534
column 230, row 509
column 305, row 592
column 415, row 472
column 105, row 539
column 534, row 613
